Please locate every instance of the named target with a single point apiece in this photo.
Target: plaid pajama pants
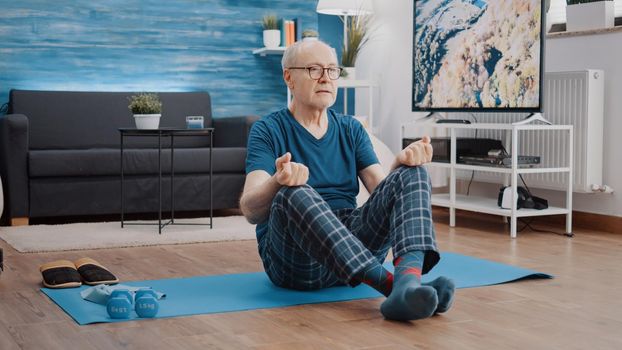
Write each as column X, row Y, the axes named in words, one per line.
column 309, row 246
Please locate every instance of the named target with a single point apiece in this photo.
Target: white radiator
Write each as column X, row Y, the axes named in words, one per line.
column 575, row 98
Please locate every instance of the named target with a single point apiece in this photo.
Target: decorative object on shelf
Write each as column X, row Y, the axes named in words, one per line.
column 345, row 73
column 355, row 29
column 147, row 109
column 271, row 32
column 194, row 122
column 310, row 34
column 348, row 73
column 589, row 14
column 290, row 31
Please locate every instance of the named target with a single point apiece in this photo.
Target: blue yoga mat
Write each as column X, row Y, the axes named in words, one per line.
column 248, row 291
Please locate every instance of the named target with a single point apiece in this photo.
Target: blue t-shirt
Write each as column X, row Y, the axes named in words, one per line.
column 334, row 160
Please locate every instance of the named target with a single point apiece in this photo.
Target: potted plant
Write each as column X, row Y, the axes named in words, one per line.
column 147, row 110
column 271, row 32
column 310, row 34
column 589, row 14
column 357, row 35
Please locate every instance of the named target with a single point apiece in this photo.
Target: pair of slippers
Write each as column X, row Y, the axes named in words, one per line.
column 67, row 274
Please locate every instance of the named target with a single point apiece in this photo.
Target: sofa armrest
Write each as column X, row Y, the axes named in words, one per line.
column 14, row 164
column 232, row 131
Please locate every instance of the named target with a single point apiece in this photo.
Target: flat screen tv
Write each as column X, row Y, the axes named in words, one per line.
column 478, row 55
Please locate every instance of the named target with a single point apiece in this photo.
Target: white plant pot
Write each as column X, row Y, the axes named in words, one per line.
column 147, row 121
column 271, row 38
column 351, row 73
column 589, row 16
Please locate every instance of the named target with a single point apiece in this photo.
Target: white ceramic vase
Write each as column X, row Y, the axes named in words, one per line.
column 147, row 121
column 351, row 73
column 271, row 38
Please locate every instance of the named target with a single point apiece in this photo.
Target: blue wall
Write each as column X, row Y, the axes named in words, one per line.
column 147, row 45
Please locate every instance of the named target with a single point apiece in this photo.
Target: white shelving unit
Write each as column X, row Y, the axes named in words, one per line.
column 489, row 205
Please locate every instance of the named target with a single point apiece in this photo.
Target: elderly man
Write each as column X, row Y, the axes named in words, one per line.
column 301, row 186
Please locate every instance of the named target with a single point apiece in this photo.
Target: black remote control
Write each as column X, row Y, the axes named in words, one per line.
column 452, row 121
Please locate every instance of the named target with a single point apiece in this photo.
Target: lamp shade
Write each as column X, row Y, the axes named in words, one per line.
column 344, row 7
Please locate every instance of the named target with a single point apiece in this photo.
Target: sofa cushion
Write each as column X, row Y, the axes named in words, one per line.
column 105, row 161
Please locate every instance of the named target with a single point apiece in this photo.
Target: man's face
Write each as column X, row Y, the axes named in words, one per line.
column 314, row 93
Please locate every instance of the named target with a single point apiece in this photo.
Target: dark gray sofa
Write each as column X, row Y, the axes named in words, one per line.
column 59, row 155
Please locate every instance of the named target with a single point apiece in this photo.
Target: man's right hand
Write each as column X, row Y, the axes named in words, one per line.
column 289, row 173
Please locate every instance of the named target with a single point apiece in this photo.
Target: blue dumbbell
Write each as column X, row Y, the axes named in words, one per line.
column 120, row 304
column 147, row 304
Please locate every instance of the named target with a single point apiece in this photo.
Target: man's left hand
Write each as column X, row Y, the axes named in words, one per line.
column 417, row 153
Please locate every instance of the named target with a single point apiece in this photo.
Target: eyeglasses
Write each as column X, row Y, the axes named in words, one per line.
column 316, row 72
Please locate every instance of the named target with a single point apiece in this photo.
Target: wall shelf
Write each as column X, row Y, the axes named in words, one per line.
column 269, row 51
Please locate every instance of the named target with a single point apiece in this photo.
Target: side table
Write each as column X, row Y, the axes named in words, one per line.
column 172, row 133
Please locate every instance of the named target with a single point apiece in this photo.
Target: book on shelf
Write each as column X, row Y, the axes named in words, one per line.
column 297, row 29
column 282, row 27
column 290, row 31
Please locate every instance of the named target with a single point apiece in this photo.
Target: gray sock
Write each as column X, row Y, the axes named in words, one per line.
column 409, row 300
column 445, row 288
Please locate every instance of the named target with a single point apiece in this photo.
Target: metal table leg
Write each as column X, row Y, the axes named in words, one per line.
column 160, row 183
column 211, row 196
column 122, row 208
column 172, row 178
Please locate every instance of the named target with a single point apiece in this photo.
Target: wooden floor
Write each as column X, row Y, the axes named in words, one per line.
column 581, row 308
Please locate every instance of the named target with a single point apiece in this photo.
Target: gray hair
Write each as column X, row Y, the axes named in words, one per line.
column 292, row 52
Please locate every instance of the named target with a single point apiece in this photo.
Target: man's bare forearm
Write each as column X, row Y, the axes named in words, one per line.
column 255, row 204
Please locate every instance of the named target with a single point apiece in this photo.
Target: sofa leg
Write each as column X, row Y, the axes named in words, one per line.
column 19, row 221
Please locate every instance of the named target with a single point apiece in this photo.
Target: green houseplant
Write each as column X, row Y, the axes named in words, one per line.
column 147, row 109
column 589, row 14
column 271, row 32
column 270, row 21
column 357, row 35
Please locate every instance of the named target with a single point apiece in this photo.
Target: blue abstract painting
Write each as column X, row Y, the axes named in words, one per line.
column 147, row 45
